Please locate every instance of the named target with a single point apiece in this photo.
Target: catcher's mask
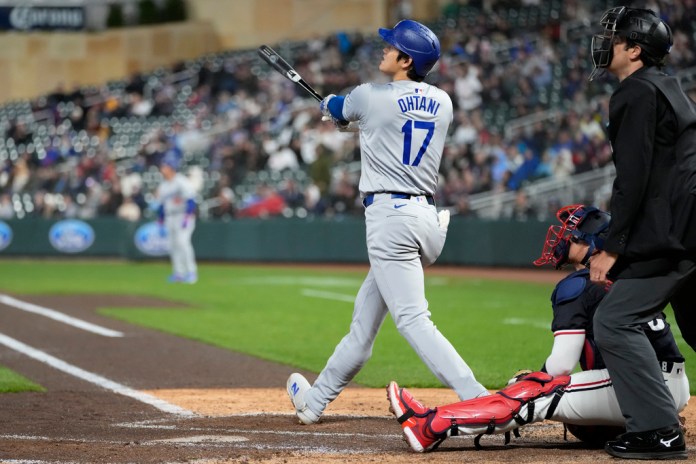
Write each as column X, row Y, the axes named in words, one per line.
column 635, row 25
column 580, row 223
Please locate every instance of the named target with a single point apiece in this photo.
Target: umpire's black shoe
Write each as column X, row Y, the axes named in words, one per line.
column 665, row 443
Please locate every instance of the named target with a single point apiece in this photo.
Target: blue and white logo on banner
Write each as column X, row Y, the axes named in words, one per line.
column 5, row 235
column 151, row 239
column 71, row 236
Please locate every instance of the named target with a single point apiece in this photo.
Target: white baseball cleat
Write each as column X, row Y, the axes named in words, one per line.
column 297, row 386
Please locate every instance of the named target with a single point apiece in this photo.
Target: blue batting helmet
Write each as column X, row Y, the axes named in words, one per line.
column 417, row 41
column 171, row 159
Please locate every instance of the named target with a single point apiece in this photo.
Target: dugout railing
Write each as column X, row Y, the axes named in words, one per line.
column 593, row 187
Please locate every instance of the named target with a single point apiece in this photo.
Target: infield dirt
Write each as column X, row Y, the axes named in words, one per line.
column 240, row 410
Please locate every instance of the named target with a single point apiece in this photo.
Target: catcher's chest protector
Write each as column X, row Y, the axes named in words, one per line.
column 531, row 399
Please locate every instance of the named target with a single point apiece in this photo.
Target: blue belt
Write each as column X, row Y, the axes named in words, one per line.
column 370, row 197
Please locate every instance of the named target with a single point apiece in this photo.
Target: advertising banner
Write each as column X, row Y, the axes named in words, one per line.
column 32, row 18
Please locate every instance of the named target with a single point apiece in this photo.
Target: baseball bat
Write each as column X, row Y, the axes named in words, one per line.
column 279, row 64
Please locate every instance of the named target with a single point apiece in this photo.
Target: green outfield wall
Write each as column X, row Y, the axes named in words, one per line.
column 469, row 241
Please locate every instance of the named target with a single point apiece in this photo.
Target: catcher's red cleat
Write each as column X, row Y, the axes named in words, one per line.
column 413, row 417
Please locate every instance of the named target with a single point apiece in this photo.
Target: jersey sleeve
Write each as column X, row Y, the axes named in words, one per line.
column 356, row 103
column 336, row 107
column 566, row 351
column 570, row 321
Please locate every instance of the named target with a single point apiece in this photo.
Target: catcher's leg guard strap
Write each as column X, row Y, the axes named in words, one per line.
column 406, row 416
column 454, row 428
column 554, row 403
column 530, row 415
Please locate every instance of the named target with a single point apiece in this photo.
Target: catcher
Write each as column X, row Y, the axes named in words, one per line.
column 584, row 401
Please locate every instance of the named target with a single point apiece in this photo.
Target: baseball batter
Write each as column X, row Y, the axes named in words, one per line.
column 402, row 127
column 176, row 216
column 584, row 398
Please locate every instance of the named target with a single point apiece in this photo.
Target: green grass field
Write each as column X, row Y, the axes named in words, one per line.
column 11, row 382
column 296, row 316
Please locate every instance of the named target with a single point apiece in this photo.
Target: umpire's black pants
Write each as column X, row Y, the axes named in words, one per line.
column 645, row 401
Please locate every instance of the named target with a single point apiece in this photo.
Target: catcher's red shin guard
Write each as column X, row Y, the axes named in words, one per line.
column 414, row 419
column 533, row 398
column 508, row 409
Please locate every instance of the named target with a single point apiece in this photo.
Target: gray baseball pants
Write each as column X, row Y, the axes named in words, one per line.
column 400, row 241
column 181, row 252
column 644, row 399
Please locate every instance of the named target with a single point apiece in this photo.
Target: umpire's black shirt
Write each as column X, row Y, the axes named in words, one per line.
column 642, row 131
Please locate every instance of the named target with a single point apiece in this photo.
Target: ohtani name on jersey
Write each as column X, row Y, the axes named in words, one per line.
column 417, row 103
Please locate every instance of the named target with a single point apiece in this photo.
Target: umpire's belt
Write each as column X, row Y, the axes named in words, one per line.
column 370, row 197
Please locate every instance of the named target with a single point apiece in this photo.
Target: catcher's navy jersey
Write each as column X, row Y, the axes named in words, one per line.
column 575, row 300
column 403, row 127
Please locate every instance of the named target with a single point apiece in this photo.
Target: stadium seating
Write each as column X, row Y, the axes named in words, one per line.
column 229, row 115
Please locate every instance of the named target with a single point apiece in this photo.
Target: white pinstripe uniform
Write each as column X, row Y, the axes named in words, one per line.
column 403, row 126
column 590, row 398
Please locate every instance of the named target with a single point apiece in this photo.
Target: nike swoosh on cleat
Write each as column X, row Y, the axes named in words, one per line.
column 399, row 206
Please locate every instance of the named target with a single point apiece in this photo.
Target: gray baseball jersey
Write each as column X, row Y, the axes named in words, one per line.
column 174, row 194
column 403, row 127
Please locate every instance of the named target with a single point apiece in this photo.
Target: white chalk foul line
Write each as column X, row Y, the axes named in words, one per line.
column 58, row 316
column 92, row 378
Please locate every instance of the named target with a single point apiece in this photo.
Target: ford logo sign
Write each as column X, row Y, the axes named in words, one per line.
column 151, row 240
column 71, row 236
column 5, row 235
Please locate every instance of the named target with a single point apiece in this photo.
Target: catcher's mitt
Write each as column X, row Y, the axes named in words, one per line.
column 595, row 435
column 518, row 376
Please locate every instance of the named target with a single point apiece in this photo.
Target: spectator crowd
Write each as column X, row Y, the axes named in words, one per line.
column 254, row 143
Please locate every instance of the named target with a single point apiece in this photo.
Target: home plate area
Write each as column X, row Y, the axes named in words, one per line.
column 148, row 397
column 253, row 425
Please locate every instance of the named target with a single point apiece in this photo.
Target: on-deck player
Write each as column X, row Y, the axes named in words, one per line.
column 584, row 398
column 176, row 215
column 402, row 125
